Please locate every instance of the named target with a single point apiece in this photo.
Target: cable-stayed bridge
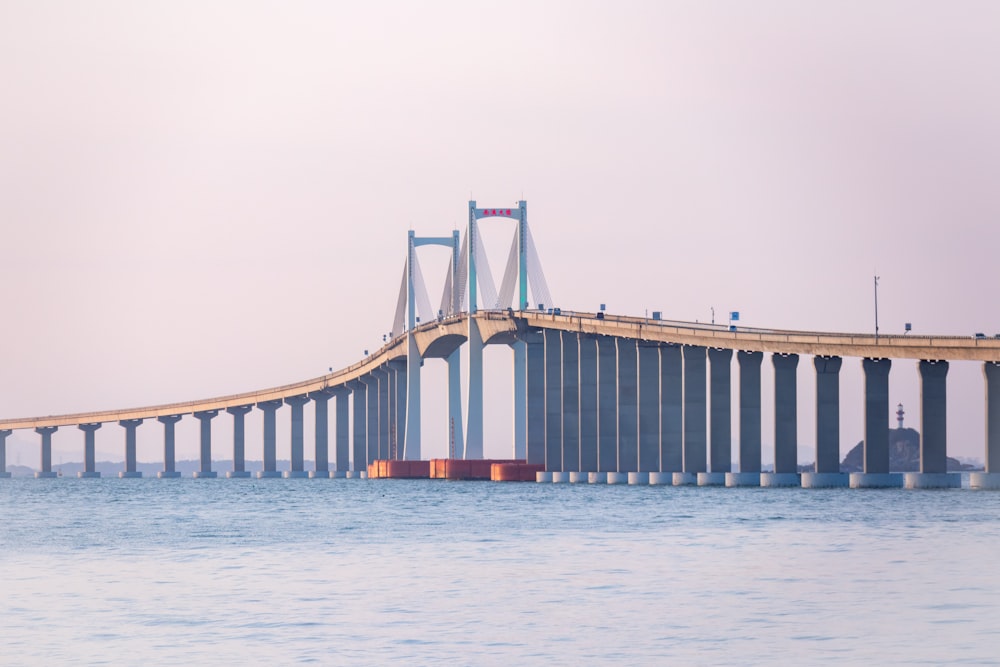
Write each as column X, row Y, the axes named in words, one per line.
column 597, row 397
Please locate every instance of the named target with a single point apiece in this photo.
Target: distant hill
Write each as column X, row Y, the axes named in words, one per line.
column 904, row 454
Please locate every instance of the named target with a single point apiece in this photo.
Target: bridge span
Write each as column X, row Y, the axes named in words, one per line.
column 585, row 370
column 597, row 397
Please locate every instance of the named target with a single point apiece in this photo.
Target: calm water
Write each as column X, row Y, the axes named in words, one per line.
column 149, row 571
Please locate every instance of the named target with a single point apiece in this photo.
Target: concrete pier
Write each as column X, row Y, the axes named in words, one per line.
column 3, row 453
column 933, row 431
column 597, row 477
column 269, row 410
column 685, row 478
column 399, row 412
column 384, row 382
column 780, row 479
column 825, row 480
column 932, row 480
column 371, row 388
column 749, row 415
column 130, row 426
column 239, row 413
column 638, row 478
column 535, row 388
column 628, row 406
column 571, row 402
column 519, row 382
column 297, row 404
column 46, row 453
column 827, row 419
column 649, row 407
column 876, row 447
column 742, row 479
column 169, row 469
column 785, row 419
column 588, row 403
column 661, row 479
column 553, row 400
column 984, row 480
column 342, row 444
column 205, row 429
column 991, row 375
column 359, row 422
column 607, row 404
column 671, row 410
column 617, row 478
column 712, row 478
column 695, row 400
column 89, row 469
column 721, row 446
column 876, row 480
column 321, row 400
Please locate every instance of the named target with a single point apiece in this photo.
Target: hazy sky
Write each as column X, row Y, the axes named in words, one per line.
column 202, row 198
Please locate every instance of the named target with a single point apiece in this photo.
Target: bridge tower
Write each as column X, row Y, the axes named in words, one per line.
column 451, row 304
column 522, row 268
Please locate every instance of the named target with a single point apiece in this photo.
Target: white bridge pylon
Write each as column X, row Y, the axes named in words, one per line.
column 468, row 283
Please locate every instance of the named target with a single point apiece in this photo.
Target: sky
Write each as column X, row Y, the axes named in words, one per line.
column 209, row 198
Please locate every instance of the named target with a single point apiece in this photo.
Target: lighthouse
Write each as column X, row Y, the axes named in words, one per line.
column 899, row 415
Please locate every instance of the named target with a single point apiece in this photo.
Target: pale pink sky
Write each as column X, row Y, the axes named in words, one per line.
column 208, row 198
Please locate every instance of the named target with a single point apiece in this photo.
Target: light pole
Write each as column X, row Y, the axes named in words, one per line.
column 876, row 310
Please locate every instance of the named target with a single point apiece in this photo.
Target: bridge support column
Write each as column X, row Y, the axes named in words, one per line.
column 169, row 470
column 628, row 406
column 399, row 413
column 933, row 431
column 671, row 412
column 342, row 445
column 588, row 403
column 206, row 417
column 749, row 474
column 876, row 446
column 3, row 453
column 130, row 426
column 571, row 401
column 239, row 470
column 46, row 457
column 89, row 463
column 297, row 468
column 384, row 381
column 269, row 409
column 607, row 407
column 456, row 429
column 371, row 449
column 786, row 439
column 649, row 409
column 553, row 400
column 359, row 425
column 411, row 442
column 520, row 388
column 474, row 435
column 321, row 400
column 990, row 478
column 827, row 473
column 720, row 452
column 695, row 411
column 534, row 343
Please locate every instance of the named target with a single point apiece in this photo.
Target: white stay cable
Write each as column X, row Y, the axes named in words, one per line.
column 539, row 287
column 509, row 277
column 399, row 320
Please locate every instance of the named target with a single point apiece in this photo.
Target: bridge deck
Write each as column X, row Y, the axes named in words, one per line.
column 502, row 326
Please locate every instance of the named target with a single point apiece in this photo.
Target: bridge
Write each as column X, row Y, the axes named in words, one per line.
column 598, row 398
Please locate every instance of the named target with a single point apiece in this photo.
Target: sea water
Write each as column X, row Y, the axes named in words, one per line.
column 416, row 572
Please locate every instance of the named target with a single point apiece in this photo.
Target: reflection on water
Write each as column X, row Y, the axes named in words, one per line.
column 367, row 572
